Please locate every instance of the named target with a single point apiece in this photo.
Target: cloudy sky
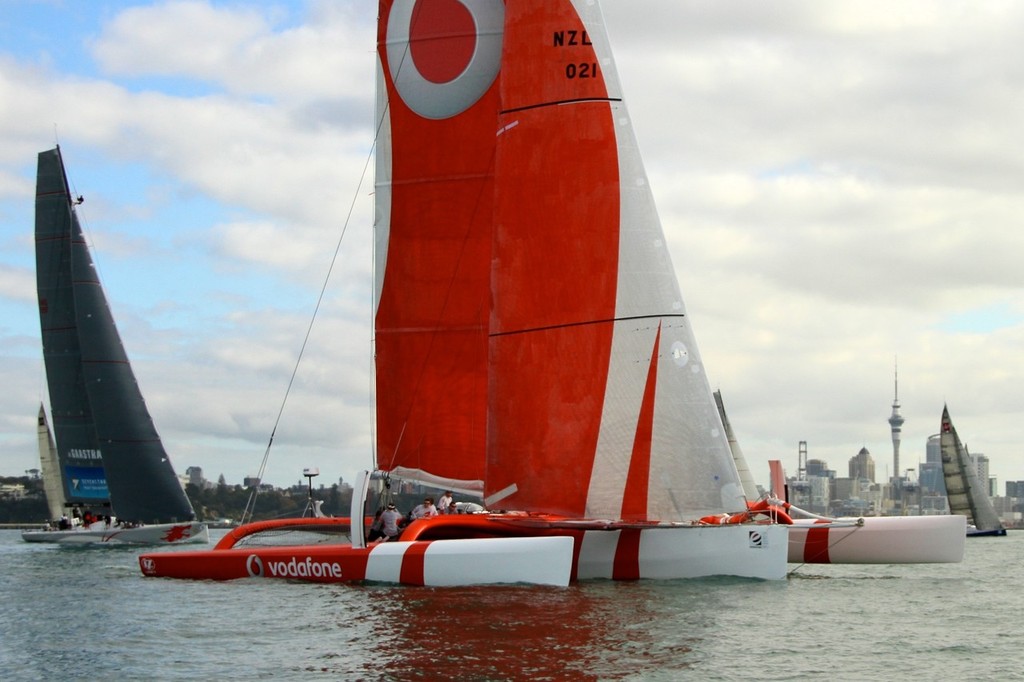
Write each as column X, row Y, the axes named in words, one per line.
column 840, row 183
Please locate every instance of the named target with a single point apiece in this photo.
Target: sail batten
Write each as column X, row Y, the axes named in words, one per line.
column 578, row 100
column 584, row 322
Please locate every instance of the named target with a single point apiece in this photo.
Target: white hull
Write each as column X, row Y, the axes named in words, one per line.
column 536, row 561
column 878, row 540
column 158, row 534
column 747, row 551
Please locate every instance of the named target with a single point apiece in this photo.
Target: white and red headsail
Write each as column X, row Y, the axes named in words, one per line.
column 530, row 331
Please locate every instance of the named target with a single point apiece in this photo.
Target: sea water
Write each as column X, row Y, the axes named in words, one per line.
column 89, row 614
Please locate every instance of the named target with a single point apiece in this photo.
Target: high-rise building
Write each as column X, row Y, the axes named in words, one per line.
column 933, row 481
column 933, row 449
column 195, row 476
column 896, row 426
column 981, row 468
column 819, row 467
column 862, row 466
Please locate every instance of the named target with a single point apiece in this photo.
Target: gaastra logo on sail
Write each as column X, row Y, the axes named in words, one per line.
column 444, row 55
column 84, row 453
column 296, row 568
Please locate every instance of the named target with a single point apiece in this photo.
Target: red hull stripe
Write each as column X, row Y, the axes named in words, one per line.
column 412, row 564
column 627, row 555
column 816, row 545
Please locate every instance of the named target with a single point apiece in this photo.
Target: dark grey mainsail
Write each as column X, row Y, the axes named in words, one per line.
column 105, row 435
column 964, row 489
column 81, row 468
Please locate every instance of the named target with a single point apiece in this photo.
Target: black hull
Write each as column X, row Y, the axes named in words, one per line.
column 997, row 532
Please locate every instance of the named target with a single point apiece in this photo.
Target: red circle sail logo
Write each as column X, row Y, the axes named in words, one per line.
column 443, row 55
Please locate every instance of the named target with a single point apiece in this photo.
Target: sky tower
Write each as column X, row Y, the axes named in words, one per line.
column 896, row 424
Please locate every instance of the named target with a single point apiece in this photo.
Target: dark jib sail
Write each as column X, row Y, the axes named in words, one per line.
column 106, row 439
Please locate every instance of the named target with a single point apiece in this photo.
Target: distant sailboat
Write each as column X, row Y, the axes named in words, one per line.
column 49, row 466
column 746, row 477
column 964, row 491
column 111, row 463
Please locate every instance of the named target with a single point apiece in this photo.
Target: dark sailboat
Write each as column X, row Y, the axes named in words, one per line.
column 112, row 464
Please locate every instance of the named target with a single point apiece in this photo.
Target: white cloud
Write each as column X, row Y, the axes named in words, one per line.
column 241, row 48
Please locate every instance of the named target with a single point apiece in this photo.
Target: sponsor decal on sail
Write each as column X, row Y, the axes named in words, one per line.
column 85, row 453
column 444, row 55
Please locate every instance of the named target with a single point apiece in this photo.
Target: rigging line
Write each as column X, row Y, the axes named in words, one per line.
column 251, row 503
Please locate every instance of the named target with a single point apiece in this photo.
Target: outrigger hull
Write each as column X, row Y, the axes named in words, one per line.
column 468, row 550
column 543, row 561
column 157, row 534
column 878, row 540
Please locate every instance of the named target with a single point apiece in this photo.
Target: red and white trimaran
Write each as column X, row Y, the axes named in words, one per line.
column 532, row 344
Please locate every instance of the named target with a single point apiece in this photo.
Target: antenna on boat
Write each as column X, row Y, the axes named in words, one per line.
column 312, row 507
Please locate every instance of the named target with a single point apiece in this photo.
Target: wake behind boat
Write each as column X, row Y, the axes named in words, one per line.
column 108, row 475
column 531, row 343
